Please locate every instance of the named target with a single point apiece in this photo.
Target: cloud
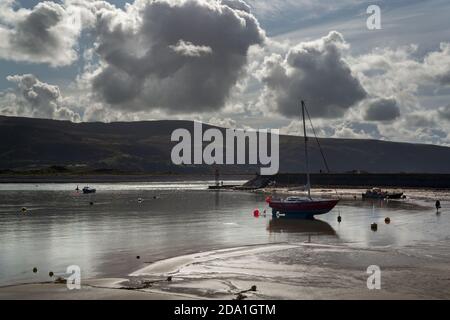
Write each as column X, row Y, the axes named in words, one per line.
column 189, row 49
column 400, row 74
column 316, row 72
column 237, row 5
column 222, row 122
column 174, row 55
column 48, row 33
column 437, row 64
column 444, row 112
column 336, row 128
column 34, row 98
column 382, row 109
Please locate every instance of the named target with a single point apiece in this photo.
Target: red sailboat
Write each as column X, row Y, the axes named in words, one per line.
column 302, row 207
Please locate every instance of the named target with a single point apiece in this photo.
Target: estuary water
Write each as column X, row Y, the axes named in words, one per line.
column 130, row 225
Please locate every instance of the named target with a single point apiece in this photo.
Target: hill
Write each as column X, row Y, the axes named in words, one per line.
column 51, row 146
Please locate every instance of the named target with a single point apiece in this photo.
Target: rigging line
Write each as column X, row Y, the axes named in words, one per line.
column 321, row 151
column 317, row 139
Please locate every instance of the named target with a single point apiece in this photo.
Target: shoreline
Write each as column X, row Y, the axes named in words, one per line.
column 403, row 181
column 5, row 179
column 255, row 272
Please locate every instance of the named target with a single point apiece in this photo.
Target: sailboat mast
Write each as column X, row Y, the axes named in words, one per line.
column 308, row 181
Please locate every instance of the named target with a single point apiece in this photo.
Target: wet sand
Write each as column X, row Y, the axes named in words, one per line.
column 281, row 271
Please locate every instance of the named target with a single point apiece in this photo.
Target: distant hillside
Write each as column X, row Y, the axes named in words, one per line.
column 62, row 146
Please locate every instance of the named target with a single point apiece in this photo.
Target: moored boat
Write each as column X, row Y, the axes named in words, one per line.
column 302, row 207
column 377, row 193
column 89, row 190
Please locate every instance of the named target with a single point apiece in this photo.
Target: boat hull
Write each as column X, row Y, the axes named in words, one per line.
column 395, row 196
column 302, row 209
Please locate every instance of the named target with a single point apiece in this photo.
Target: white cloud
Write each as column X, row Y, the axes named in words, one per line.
column 188, row 49
column 34, row 98
column 48, row 33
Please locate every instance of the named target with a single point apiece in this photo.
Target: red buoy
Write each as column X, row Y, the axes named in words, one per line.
column 256, row 213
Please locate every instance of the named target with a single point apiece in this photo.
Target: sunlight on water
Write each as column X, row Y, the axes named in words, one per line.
column 191, row 185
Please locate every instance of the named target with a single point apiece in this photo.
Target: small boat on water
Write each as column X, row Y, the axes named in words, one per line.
column 88, row 190
column 302, row 207
column 377, row 193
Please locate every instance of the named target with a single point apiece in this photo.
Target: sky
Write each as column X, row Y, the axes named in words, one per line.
column 232, row 63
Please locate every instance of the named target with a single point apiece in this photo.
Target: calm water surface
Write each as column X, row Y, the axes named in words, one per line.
column 61, row 228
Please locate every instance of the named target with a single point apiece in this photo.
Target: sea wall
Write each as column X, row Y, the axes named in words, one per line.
column 435, row 181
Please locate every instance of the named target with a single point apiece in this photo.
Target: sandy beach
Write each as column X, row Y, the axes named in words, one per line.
column 283, row 271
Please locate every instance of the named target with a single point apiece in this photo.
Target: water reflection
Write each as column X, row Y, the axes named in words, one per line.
column 306, row 226
column 384, row 204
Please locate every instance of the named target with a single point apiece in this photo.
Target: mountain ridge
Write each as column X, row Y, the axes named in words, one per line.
column 145, row 146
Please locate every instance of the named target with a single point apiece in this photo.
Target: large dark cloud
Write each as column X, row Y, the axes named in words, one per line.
column 179, row 56
column 315, row 72
column 382, row 109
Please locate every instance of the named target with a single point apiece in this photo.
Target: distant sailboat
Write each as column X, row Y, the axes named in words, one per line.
column 88, row 190
column 298, row 206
